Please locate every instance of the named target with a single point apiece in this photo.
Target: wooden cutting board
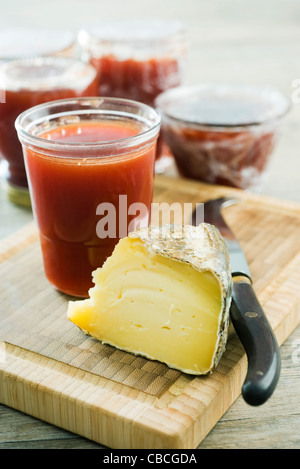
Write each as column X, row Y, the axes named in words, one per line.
column 51, row 370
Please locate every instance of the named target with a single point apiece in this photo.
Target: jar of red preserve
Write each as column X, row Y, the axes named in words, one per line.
column 223, row 133
column 137, row 59
column 25, row 83
column 90, row 163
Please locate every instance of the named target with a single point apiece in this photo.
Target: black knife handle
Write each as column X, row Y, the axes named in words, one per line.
column 258, row 340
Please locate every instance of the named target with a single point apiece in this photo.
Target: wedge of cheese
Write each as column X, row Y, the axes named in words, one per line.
column 165, row 294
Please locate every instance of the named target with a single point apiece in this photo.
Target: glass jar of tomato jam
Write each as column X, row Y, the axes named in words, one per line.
column 25, row 83
column 223, row 133
column 137, row 59
column 90, row 163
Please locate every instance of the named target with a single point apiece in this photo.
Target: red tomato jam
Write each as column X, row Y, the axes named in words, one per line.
column 66, row 191
column 140, row 80
column 137, row 59
column 236, row 159
column 28, row 82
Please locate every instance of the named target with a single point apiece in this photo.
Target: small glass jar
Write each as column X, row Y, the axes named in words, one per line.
column 223, row 133
column 24, row 42
column 25, row 83
column 90, row 163
column 137, row 59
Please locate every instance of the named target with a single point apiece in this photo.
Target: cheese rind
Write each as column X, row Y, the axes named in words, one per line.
column 164, row 294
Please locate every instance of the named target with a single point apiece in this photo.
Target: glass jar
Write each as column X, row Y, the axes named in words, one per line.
column 18, row 43
column 90, row 163
column 137, row 59
column 223, row 133
column 25, row 83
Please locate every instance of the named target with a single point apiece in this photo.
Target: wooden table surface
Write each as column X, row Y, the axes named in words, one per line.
column 234, row 41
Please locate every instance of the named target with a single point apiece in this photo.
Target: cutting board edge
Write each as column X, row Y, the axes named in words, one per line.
column 167, row 428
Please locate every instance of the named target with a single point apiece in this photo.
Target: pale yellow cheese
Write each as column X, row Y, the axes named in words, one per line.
column 155, row 306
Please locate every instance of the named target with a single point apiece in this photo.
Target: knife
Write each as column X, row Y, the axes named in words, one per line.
column 246, row 313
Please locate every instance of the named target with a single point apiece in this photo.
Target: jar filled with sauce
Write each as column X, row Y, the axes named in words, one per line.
column 90, row 163
column 223, row 133
column 137, row 59
column 25, row 83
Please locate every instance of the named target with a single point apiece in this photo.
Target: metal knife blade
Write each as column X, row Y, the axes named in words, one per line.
column 212, row 215
column 247, row 315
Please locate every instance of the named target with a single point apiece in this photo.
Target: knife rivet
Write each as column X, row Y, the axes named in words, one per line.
column 251, row 314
